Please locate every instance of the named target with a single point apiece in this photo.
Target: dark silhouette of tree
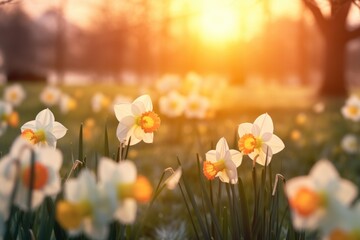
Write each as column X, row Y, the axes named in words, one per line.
column 336, row 36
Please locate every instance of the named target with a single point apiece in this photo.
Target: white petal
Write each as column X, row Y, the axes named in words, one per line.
column 71, row 190
column 139, row 133
column 265, row 123
column 58, row 130
column 266, row 136
column 211, row 156
column 221, row 148
column 317, row 173
column 244, row 128
column 146, row 100
column 21, row 198
column 255, row 129
column 126, row 172
column 347, row 192
column 50, row 157
column 50, row 140
column 44, row 119
column 138, row 108
column 231, row 171
column 122, row 110
column 53, row 187
column 236, row 157
column 124, row 127
column 276, row 144
column 126, row 212
column 223, row 176
column 292, row 186
column 29, row 125
column 148, row 137
column 106, row 169
column 95, row 231
column 173, row 180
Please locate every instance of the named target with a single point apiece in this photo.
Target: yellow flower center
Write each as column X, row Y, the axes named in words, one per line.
column 306, row 201
column 70, row 215
column 173, row 105
column 105, row 102
column 40, row 177
column 210, row 169
column 34, row 137
column 353, row 110
column 71, row 104
column 141, row 190
column 247, row 143
column 149, row 122
column 194, row 106
column 13, row 96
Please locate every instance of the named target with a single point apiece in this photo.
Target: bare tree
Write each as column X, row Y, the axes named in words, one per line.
column 336, row 36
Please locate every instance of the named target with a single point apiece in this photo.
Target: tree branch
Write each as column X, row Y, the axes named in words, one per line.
column 319, row 17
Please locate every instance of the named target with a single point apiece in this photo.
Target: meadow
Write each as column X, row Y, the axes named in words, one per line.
column 310, row 129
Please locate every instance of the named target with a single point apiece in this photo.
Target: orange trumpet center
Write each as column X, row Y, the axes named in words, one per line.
column 141, row 190
column 40, row 177
column 210, row 169
column 306, row 201
column 247, row 143
column 34, row 137
column 149, row 122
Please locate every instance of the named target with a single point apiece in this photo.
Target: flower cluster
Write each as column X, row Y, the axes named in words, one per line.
column 351, row 109
column 51, row 96
column 255, row 140
column 100, row 102
column 192, row 96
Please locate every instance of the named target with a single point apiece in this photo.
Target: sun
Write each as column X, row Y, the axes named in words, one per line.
column 218, row 20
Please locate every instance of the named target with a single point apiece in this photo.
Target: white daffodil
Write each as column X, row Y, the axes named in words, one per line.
column 312, row 197
column 137, row 120
column 44, row 130
column 351, row 109
column 87, row 207
column 67, row 103
column 7, row 116
column 350, row 143
column 50, row 96
column 196, row 106
column 258, row 141
column 14, row 94
column 222, row 163
column 99, row 102
column 16, row 166
column 172, row 104
column 130, row 187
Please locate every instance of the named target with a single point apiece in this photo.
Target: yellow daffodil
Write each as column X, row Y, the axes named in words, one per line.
column 44, row 130
column 137, row 120
column 14, row 94
column 258, row 141
column 351, row 109
column 311, row 197
column 222, row 162
column 46, row 179
column 172, row 104
column 130, row 187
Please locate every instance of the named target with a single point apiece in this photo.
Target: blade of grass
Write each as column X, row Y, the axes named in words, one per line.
column 190, row 195
column 106, row 142
column 244, row 210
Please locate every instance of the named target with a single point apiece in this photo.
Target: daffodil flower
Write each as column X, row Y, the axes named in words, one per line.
column 258, row 141
column 67, row 103
column 137, row 120
column 172, row 104
column 351, row 109
column 7, row 117
column 50, row 96
column 99, row 101
column 222, row 163
column 14, row 94
column 196, row 106
column 17, row 164
column 87, row 207
column 311, row 197
column 44, row 130
column 130, row 187
column 172, row 181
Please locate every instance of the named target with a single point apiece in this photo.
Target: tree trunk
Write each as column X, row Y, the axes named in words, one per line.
column 334, row 79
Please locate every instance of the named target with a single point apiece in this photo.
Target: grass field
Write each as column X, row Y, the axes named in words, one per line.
column 308, row 136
